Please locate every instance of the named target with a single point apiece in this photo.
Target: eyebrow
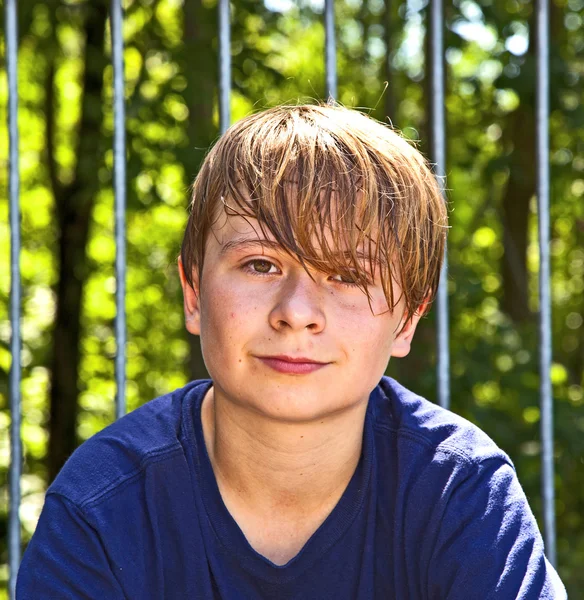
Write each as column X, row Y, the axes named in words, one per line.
column 249, row 244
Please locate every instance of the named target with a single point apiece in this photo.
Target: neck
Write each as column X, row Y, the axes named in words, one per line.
column 280, row 468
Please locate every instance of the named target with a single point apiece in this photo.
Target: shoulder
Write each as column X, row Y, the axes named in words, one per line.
column 431, row 429
column 465, row 520
column 122, row 450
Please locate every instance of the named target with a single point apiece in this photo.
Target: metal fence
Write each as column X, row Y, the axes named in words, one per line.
column 438, row 155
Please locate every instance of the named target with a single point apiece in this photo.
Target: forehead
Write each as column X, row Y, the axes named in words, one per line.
column 295, row 210
column 227, row 228
column 231, row 232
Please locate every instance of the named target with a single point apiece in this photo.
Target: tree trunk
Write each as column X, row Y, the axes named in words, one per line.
column 521, row 185
column 515, row 214
column 74, row 204
column 390, row 17
column 200, row 69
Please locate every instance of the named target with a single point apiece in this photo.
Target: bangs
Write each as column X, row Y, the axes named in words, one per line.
column 339, row 191
column 324, row 221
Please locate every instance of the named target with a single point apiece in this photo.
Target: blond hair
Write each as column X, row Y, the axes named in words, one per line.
column 313, row 173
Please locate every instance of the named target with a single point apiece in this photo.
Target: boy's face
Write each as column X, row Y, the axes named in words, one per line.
column 257, row 311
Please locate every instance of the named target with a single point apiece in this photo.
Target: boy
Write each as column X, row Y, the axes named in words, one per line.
column 313, row 248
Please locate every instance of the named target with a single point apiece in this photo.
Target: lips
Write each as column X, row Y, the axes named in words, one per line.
column 293, row 365
column 296, row 359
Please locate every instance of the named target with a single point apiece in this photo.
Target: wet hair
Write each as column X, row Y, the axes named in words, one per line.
column 331, row 186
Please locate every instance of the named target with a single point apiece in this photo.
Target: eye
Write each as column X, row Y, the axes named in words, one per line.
column 259, row 266
column 348, row 279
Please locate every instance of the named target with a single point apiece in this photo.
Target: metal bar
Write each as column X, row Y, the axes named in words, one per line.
column 330, row 49
column 224, row 66
column 11, row 33
column 120, row 202
column 388, row 33
column 438, row 152
column 545, row 322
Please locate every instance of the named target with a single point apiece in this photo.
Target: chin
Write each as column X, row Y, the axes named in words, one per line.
column 293, row 404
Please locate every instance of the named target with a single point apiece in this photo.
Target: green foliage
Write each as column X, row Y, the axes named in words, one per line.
column 278, row 57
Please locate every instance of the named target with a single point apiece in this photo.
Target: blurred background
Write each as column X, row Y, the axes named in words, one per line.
column 67, row 261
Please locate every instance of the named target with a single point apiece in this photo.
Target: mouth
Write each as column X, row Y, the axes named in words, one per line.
column 293, row 365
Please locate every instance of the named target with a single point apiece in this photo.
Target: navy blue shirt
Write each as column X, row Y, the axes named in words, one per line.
column 434, row 511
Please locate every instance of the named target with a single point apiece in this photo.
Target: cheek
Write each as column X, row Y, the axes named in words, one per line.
column 369, row 334
column 227, row 315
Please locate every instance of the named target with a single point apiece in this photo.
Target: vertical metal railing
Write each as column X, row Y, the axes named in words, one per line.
column 224, row 66
column 438, row 150
column 120, row 202
column 438, row 154
column 545, row 321
column 11, row 33
column 330, row 51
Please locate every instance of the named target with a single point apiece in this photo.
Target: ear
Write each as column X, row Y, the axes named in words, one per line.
column 191, row 300
column 403, row 342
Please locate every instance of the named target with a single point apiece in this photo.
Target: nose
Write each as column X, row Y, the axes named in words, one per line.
column 298, row 305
